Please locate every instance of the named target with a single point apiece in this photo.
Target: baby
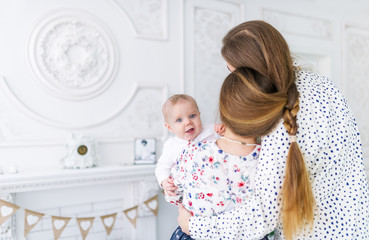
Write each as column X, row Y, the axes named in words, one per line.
column 182, row 117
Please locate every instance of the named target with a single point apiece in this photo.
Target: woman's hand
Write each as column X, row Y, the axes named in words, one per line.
column 184, row 219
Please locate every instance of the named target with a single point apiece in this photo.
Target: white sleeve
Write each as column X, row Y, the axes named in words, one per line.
column 167, row 160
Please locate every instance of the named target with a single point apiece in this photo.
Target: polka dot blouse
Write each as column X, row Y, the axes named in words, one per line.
column 329, row 140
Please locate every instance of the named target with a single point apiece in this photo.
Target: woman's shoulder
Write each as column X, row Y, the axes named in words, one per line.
column 318, row 89
column 311, row 80
column 316, row 83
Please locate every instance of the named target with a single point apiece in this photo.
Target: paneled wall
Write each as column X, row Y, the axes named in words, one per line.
column 71, row 67
column 104, row 67
column 328, row 37
column 101, row 68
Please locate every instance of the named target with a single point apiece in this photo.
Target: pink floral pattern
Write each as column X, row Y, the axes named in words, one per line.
column 211, row 181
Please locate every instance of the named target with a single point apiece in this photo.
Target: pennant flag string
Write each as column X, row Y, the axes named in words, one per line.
column 108, row 222
column 131, row 214
column 32, row 218
column 85, row 225
column 153, row 204
column 59, row 224
column 7, row 209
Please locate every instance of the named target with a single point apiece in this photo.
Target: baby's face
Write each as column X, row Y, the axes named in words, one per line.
column 184, row 120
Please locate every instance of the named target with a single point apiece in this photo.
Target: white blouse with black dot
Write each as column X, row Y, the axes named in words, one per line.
column 329, row 140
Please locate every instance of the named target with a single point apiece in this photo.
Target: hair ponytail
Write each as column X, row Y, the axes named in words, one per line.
column 263, row 61
column 297, row 195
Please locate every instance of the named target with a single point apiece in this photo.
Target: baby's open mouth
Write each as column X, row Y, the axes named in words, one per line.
column 190, row 130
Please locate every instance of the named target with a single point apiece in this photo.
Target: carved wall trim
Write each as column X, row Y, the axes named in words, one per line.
column 143, row 190
column 55, row 123
column 356, row 73
column 64, row 178
column 72, row 54
column 148, row 19
column 54, row 142
column 299, row 25
column 314, row 62
column 205, row 25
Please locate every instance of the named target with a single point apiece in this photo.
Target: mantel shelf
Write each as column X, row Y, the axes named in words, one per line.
column 62, row 178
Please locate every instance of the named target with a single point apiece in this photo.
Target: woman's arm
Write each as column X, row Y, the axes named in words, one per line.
column 183, row 219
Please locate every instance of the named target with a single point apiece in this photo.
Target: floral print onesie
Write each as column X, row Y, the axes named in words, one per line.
column 210, row 180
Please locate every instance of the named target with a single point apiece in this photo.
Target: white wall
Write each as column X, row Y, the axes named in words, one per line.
column 133, row 54
column 329, row 37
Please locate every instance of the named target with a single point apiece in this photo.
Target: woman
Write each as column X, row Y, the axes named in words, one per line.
column 310, row 182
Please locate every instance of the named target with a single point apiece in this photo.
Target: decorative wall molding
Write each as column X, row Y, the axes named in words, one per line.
column 143, row 190
column 356, row 72
column 148, row 19
column 72, row 54
column 10, row 124
column 314, row 62
column 299, row 25
column 24, row 108
column 144, row 123
column 65, row 178
column 55, row 142
column 205, row 25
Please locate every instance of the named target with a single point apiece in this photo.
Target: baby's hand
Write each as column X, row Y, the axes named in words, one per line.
column 168, row 186
column 219, row 128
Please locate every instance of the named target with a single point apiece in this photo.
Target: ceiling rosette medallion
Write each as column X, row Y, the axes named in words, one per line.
column 72, row 54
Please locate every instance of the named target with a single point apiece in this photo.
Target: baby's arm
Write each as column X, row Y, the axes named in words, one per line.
column 166, row 161
column 175, row 197
column 162, row 171
column 176, row 180
column 168, row 186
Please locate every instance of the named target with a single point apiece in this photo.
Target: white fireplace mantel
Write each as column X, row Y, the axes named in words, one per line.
column 62, row 178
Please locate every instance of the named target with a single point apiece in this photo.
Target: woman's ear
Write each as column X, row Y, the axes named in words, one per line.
column 230, row 67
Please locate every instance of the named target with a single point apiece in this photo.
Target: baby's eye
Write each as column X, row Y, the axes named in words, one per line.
column 193, row 116
column 179, row 120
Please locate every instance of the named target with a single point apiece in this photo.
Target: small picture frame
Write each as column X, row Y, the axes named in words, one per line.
column 145, row 151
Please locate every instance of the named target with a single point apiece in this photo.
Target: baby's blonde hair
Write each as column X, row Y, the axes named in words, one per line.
column 174, row 99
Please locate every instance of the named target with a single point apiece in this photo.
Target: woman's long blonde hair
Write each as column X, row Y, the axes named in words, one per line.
column 256, row 96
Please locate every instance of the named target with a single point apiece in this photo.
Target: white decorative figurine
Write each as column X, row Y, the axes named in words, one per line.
column 81, row 152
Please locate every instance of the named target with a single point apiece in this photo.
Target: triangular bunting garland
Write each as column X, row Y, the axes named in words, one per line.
column 85, row 225
column 153, row 204
column 59, row 223
column 31, row 218
column 7, row 209
column 128, row 212
column 108, row 222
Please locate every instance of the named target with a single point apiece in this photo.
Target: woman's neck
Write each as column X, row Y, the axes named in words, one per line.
column 235, row 144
